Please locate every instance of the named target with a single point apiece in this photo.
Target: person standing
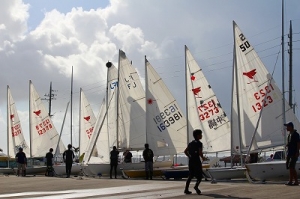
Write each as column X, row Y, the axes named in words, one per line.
column 68, row 157
column 127, row 156
column 194, row 152
column 22, row 162
column 293, row 147
column 148, row 157
column 49, row 163
column 114, row 156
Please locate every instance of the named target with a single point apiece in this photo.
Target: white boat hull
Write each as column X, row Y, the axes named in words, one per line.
column 104, row 168
column 273, row 170
column 226, row 173
column 60, row 169
column 5, row 171
column 33, row 170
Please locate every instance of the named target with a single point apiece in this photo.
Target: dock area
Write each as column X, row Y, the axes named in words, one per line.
column 103, row 187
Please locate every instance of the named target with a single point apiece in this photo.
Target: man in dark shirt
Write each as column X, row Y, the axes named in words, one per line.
column 127, row 156
column 22, row 162
column 293, row 146
column 49, row 162
column 68, row 156
column 194, row 152
column 148, row 157
column 114, row 156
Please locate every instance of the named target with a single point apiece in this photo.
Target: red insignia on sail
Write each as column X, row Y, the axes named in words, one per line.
column 37, row 112
column 87, row 118
column 193, row 77
column 196, row 90
column 250, row 75
column 12, row 116
column 150, row 101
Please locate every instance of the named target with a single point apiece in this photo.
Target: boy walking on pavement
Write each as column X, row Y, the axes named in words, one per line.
column 194, row 152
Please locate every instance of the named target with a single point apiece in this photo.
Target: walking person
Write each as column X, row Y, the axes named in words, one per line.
column 22, row 162
column 114, row 156
column 194, row 152
column 148, row 157
column 49, row 163
column 293, row 147
column 68, row 157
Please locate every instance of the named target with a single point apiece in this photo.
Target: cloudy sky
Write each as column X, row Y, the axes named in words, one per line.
column 41, row 40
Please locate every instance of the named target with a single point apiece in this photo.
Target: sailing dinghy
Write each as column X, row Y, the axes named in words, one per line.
column 260, row 102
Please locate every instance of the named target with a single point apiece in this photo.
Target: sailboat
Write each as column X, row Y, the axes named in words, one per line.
column 43, row 134
column 165, row 126
column 16, row 138
column 204, row 111
column 125, row 115
column 260, row 102
column 15, row 135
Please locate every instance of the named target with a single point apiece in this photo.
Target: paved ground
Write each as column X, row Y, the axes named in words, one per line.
column 75, row 187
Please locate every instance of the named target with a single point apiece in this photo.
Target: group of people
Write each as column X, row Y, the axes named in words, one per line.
column 147, row 155
column 193, row 152
column 68, row 157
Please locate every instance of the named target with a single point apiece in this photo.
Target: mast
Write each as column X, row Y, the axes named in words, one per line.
column 282, row 62
column 8, row 106
column 61, row 130
column 146, row 89
column 118, row 96
column 108, row 65
column 186, row 98
column 71, row 107
column 290, row 51
column 30, row 116
column 237, row 96
column 232, row 88
column 79, row 120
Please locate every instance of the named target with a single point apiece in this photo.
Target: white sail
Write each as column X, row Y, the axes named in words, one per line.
column 112, row 92
column 204, row 109
column 87, row 122
column 132, row 106
column 106, row 137
column 256, row 91
column 15, row 133
column 43, row 134
column 166, row 124
column 99, row 139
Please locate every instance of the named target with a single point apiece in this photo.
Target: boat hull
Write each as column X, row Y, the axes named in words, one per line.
column 225, row 173
column 273, row 170
column 175, row 173
column 104, row 169
column 60, row 169
column 6, row 171
column 181, row 172
column 157, row 172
